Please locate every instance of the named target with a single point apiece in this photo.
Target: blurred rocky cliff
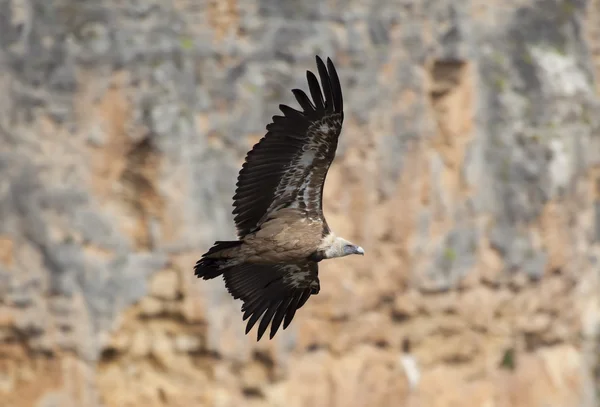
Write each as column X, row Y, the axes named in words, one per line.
column 468, row 169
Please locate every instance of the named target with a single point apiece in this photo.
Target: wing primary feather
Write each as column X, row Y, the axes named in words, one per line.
column 304, row 101
column 278, row 317
column 254, row 305
column 292, row 113
column 304, row 298
column 326, row 83
column 256, row 313
column 336, row 87
column 315, row 92
column 249, row 307
column 264, row 323
column 291, row 311
column 247, row 313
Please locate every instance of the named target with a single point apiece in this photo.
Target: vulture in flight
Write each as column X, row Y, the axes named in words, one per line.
column 273, row 267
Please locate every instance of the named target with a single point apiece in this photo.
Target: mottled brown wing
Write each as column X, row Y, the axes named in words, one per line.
column 288, row 166
column 274, row 292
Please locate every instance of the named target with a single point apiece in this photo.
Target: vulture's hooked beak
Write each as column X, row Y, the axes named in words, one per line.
column 359, row 250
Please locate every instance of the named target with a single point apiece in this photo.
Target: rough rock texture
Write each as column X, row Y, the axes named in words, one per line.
column 468, row 169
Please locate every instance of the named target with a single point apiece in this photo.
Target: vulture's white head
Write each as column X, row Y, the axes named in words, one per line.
column 334, row 246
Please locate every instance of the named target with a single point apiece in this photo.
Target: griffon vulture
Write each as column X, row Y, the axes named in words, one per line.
column 278, row 207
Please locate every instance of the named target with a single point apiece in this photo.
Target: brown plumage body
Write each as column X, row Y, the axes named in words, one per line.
column 287, row 237
column 282, row 232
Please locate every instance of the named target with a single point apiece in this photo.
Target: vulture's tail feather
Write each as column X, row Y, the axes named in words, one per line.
column 213, row 266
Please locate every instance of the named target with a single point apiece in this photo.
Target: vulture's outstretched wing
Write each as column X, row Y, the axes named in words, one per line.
column 288, row 166
column 276, row 291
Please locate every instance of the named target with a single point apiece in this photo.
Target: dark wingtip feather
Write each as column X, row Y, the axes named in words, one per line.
column 291, row 311
column 266, row 319
column 315, row 92
column 326, row 84
column 278, row 317
column 336, row 87
column 256, row 316
column 304, row 101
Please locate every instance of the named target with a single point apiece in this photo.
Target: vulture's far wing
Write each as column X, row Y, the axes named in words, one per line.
column 276, row 291
column 288, row 166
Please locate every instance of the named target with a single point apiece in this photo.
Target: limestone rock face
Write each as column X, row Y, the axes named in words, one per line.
column 468, row 169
